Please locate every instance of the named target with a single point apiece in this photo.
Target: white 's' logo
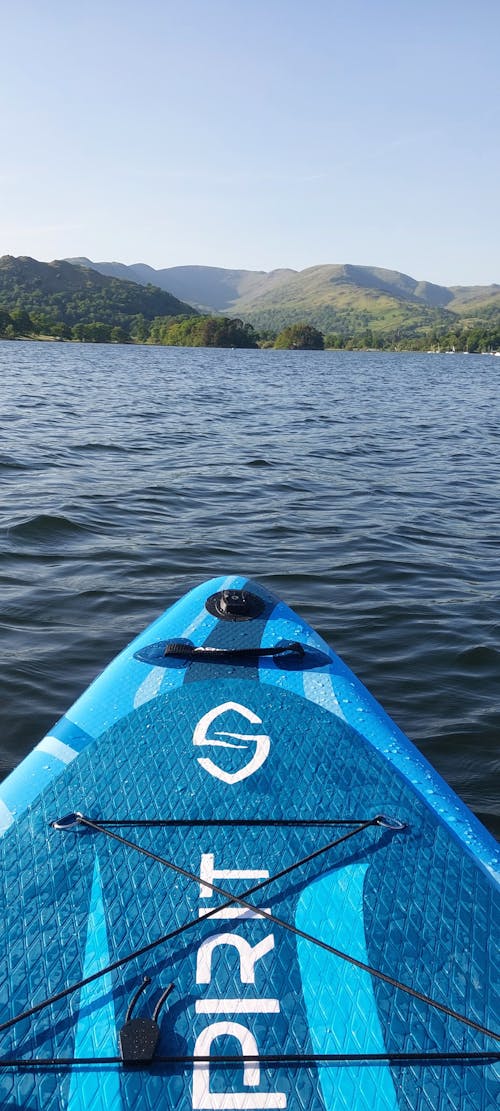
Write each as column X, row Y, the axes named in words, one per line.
column 261, row 741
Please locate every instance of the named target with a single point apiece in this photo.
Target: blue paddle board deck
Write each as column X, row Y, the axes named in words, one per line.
column 229, row 881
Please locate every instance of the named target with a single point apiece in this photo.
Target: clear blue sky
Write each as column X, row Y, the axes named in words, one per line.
column 254, row 133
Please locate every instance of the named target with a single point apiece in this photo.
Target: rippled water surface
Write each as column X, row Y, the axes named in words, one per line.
column 362, row 487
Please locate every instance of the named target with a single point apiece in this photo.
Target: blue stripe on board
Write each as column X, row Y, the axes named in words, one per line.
column 315, row 685
column 198, row 631
column 126, row 682
column 27, row 781
column 6, row 816
column 341, row 1028
column 98, row 1089
column 56, row 748
column 70, row 733
column 47, row 760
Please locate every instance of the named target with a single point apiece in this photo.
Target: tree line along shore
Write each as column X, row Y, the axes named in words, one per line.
column 224, row 331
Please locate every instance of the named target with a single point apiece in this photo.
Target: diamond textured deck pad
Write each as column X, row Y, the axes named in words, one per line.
column 250, row 774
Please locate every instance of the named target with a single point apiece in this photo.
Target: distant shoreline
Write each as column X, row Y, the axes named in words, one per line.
column 335, row 307
column 327, row 350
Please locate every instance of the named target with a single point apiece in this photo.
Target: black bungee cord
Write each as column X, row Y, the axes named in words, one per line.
column 401, row 1058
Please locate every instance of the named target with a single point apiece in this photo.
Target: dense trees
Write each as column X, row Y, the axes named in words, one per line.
column 300, row 337
column 189, row 331
column 476, row 339
column 204, row 331
column 224, row 331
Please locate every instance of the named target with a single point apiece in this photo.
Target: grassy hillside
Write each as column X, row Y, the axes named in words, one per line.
column 475, row 300
column 349, row 300
column 343, row 299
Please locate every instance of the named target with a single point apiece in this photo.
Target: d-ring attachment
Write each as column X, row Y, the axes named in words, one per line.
column 389, row 823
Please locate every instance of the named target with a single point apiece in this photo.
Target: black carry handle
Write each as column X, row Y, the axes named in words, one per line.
column 180, row 653
column 183, row 649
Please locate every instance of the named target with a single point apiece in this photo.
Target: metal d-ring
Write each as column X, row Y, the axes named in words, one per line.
column 70, row 821
column 389, row 823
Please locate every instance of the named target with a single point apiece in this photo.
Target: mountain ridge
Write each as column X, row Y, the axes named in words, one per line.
column 341, row 297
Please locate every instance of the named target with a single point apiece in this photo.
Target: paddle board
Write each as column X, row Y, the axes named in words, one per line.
column 230, row 881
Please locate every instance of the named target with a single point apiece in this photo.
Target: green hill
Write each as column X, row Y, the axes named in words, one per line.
column 477, row 303
column 349, row 300
column 76, row 295
column 346, row 299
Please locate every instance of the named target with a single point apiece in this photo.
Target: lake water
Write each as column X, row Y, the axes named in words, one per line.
column 362, row 487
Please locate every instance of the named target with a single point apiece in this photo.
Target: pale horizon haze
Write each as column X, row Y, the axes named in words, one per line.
column 254, row 135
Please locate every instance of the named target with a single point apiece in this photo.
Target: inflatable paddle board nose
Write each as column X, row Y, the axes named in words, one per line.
column 227, row 810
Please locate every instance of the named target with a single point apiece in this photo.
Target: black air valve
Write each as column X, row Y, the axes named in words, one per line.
column 235, row 605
